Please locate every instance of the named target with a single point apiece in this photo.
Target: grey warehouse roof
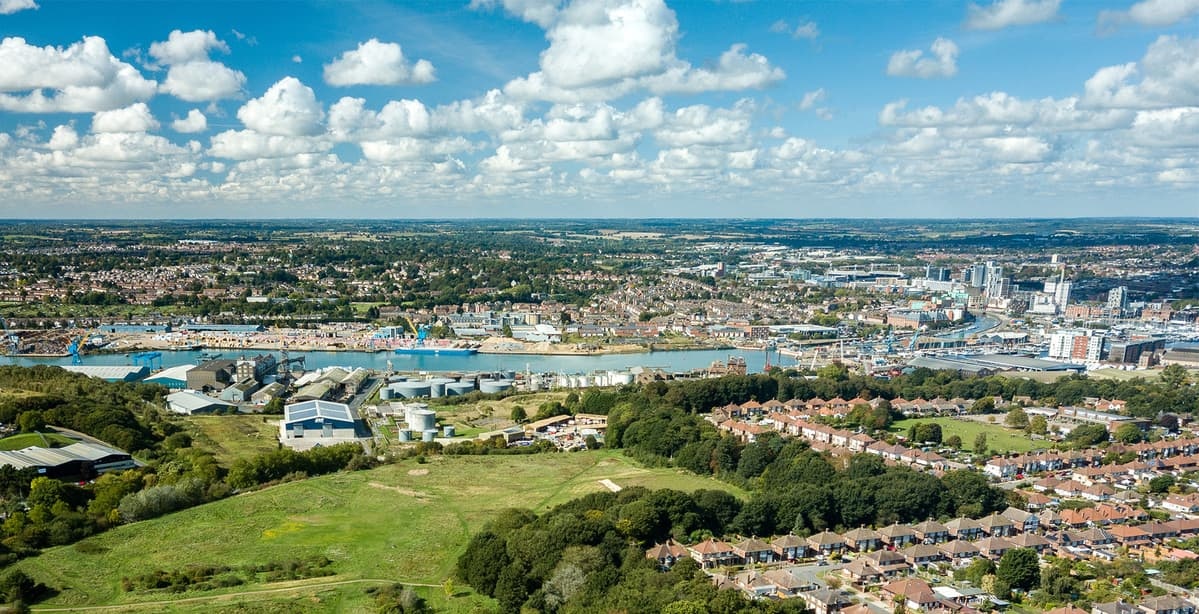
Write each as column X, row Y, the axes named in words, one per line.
column 189, row 401
column 53, row 457
column 111, row 373
column 319, row 409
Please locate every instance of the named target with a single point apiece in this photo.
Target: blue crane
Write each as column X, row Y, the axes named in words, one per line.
column 73, row 350
column 147, row 359
column 421, row 334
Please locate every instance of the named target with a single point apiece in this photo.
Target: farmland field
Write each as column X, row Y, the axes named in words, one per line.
column 405, row 523
column 999, row 438
column 231, row 438
column 41, row 440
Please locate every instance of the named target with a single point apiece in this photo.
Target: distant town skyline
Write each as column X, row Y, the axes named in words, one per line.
column 599, row 108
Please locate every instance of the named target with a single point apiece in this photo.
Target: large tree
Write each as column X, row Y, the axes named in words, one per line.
column 1020, row 568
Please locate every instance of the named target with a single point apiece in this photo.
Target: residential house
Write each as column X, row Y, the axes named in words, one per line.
column 1114, row 607
column 923, row 554
column 897, row 535
column 825, row 600
column 789, row 547
column 1166, row 604
column 915, row 593
column 827, row 543
column 889, row 563
column 964, row 528
column 931, row 532
column 959, row 552
column 862, row 572
column 863, row 539
column 754, row 550
column 993, row 547
column 1129, row 535
column 1183, row 504
column 667, row 554
column 713, row 553
column 997, row 526
column 1030, row 540
column 1024, row 522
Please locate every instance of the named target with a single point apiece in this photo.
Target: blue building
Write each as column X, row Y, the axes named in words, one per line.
column 315, row 423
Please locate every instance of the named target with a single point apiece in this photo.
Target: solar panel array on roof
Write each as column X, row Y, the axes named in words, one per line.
column 319, row 409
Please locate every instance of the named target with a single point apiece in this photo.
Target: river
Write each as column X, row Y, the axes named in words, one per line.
column 537, row 363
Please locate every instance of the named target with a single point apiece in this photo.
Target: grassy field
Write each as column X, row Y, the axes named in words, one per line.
column 42, row 440
column 231, row 438
column 999, row 438
column 399, row 523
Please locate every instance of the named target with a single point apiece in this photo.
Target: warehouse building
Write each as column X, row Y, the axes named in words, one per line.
column 190, row 402
column 320, row 423
column 111, row 373
column 83, row 460
column 174, row 378
column 212, row 375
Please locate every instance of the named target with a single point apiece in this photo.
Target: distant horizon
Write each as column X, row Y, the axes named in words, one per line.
column 1194, row 218
column 606, row 109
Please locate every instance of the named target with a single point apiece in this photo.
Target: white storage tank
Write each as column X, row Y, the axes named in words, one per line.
column 494, row 386
column 459, row 388
column 411, row 390
column 428, row 435
column 421, row 420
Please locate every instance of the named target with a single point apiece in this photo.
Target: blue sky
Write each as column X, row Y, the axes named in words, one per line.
column 599, row 108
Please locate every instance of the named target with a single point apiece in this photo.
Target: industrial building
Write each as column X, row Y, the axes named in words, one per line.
column 174, row 378
column 83, row 460
column 320, row 423
column 212, row 375
column 114, row 373
column 191, row 402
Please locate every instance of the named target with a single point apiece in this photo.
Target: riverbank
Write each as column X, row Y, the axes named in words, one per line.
column 545, row 348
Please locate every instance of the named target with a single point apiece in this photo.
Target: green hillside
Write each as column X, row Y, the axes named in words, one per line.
column 399, row 523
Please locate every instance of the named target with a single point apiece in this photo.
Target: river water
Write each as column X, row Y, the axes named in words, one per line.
column 537, row 363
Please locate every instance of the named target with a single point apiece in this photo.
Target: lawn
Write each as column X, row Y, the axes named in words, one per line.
column 999, row 438
column 398, row 523
column 41, row 440
column 231, row 438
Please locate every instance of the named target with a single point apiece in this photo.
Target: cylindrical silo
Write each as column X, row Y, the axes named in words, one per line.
column 405, row 435
column 494, row 386
column 422, row 420
column 428, row 435
column 412, row 390
column 458, row 388
column 448, row 430
column 385, row 394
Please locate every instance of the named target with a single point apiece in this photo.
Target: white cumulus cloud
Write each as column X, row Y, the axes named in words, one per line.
column 940, row 63
column 377, row 63
column 1153, row 13
column 604, row 49
column 540, row 12
column 192, row 75
column 82, row 78
column 288, row 108
column 1169, row 76
column 194, row 122
column 134, row 118
column 8, row 7
column 1004, row 13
